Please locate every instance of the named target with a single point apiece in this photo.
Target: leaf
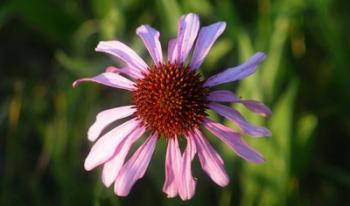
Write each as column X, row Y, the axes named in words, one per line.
column 267, row 184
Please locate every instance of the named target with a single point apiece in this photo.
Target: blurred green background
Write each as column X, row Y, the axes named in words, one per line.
column 47, row 44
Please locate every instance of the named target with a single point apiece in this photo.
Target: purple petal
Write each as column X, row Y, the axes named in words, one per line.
column 223, row 96
column 106, row 117
column 112, row 69
column 104, row 148
column 135, row 74
column 112, row 167
column 238, row 72
column 172, row 51
column 187, row 182
column 210, row 160
column 187, row 32
column 206, row 38
column 135, row 167
column 109, row 79
column 123, row 52
column 233, row 140
column 172, row 168
column 257, row 107
column 228, row 96
column 150, row 38
column 237, row 118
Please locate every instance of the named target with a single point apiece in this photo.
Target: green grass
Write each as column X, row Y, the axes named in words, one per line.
column 46, row 45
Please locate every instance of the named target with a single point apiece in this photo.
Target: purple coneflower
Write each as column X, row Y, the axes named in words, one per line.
column 170, row 100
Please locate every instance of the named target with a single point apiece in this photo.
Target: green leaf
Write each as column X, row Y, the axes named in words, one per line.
column 267, row 184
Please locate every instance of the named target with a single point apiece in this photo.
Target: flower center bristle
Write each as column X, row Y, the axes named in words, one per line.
column 170, row 100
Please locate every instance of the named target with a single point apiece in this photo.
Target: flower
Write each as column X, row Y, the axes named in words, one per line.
column 170, row 100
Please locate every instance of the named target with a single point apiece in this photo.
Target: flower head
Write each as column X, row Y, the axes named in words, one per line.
column 170, row 100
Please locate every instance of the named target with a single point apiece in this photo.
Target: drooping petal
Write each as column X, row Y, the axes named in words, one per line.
column 206, row 38
column 228, row 96
column 135, row 74
column 233, row 140
column 210, row 160
column 112, row 69
column 236, row 117
column 106, row 117
column 238, row 72
column 257, row 107
column 104, row 148
column 125, row 70
column 172, row 168
column 123, row 52
column 109, row 79
column 172, row 50
column 223, row 96
column 135, row 167
column 187, row 32
column 150, row 38
column 187, row 182
column 112, row 167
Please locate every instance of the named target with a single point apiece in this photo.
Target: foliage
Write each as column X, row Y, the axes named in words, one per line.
column 47, row 44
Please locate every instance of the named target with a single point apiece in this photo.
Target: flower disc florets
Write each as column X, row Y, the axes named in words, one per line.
column 170, row 99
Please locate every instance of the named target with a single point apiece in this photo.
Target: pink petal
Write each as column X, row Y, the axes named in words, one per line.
column 150, row 38
column 112, row 69
column 238, row 72
column 228, row 96
column 206, row 38
column 104, row 148
column 112, row 167
column 233, row 140
column 210, row 160
column 172, row 167
column 125, row 70
column 257, row 107
column 172, row 51
column 106, row 117
column 187, row 32
column 186, row 181
column 237, row 118
column 109, row 79
column 223, row 96
column 135, row 167
column 123, row 52
column 135, row 74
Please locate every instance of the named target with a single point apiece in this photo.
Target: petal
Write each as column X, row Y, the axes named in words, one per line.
column 187, row 32
column 187, row 182
column 109, row 79
column 172, row 168
column 206, row 38
column 210, row 160
column 172, row 51
column 237, row 118
column 233, row 140
column 123, row 52
column 112, row 69
column 125, row 70
column 223, row 96
column 228, row 96
column 257, row 107
column 135, row 74
column 150, row 38
column 104, row 148
column 238, row 72
column 135, row 167
column 112, row 167
column 106, row 117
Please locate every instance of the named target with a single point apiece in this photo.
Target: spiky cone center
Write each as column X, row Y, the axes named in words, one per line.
column 170, row 99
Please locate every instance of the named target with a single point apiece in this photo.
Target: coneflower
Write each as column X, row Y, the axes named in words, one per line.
column 170, row 100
